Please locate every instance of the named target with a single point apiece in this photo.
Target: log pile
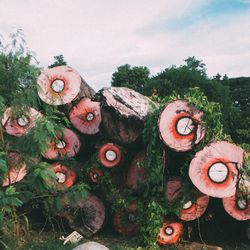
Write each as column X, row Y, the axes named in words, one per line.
column 113, row 120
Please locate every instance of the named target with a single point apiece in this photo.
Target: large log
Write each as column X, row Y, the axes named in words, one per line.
column 237, row 207
column 65, row 144
column 86, row 116
column 86, row 216
column 123, row 113
column 170, row 233
column 18, row 126
column 180, row 126
column 62, row 85
column 17, row 169
column 214, row 169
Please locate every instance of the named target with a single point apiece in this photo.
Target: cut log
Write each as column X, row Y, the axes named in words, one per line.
column 110, row 155
column 61, row 85
column 65, row 144
column 214, row 169
column 18, row 126
column 65, row 176
column 94, row 175
column 136, row 173
column 86, row 116
column 194, row 210
column 17, row 169
column 180, row 126
column 123, row 113
column 173, row 190
column 86, row 216
column 237, row 207
column 170, row 233
column 124, row 221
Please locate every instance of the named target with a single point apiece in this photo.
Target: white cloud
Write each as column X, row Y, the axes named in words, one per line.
column 96, row 36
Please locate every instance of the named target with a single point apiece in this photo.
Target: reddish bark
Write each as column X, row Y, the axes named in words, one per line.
column 66, row 144
column 237, row 207
column 61, row 85
column 136, row 174
column 173, row 189
column 110, row 155
column 86, row 216
column 192, row 211
column 18, row 126
column 86, row 116
column 65, row 176
column 124, row 221
column 170, row 233
column 214, row 169
column 17, row 169
column 180, row 126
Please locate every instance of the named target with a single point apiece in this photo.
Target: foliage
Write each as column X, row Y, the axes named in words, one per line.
column 59, row 61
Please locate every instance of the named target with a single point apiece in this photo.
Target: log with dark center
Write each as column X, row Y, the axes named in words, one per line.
column 136, row 173
column 237, row 207
column 19, row 126
column 17, row 169
column 180, row 126
column 123, row 113
column 214, row 170
column 85, row 215
column 62, row 85
column 86, row 116
column 66, row 144
column 124, row 221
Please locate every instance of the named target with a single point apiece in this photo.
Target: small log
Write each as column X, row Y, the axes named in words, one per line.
column 110, row 155
column 124, row 221
column 195, row 246
column 19, row 126
column 61, row 85
column 86, row 216
column 237, row 207
column 173, row 190
column 65, row 144
column 17, row 169
column 94, row 175
column 86, row 116
column 136, row 174
column 194, row 210
column 170, row 233
column 180, row 126
column 214, row 169
column 123, row 113
column 65, row 177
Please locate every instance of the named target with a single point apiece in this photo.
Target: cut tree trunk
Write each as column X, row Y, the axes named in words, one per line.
column 65, row 176
column 86, row 216
column 86, row 116
column 136, row 173
column 237, row 207
column 19, row 126
column 62, row 85
column 214, row 169
column 180, row 126
column 124, row 221
column 94, row 175
column 170, row 233
column 65, row 144
column 192, row 211
column 17, row 169
column 173, row 190
column 123, row 113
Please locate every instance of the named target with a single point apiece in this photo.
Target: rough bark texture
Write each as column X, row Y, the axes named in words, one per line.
column 85, row 216
column 173, row 190
column 19, row 126
column 214, row 169
column 180, row 126
column 62, row 85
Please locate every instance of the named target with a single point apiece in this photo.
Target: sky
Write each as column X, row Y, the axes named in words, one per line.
column 97, row 36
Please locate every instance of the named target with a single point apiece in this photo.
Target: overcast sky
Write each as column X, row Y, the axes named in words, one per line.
column 96, row 36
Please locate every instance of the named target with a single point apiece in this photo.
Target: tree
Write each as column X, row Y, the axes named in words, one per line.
column 132, row 77
column 59, row 61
